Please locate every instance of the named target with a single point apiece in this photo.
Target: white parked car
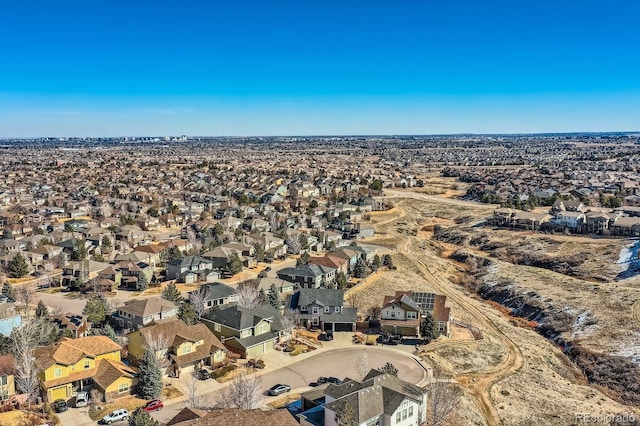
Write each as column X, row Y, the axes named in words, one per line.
column 115, row 416
column 82, row 399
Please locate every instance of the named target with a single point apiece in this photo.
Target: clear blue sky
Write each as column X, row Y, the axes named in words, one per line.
column 269, row 67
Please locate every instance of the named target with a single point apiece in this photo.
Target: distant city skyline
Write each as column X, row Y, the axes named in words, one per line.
column 255, row 68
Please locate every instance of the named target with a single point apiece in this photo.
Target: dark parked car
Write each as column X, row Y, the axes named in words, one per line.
column 203, row 375
column 59, row 405
column 278, row 389
column 155, row 405
column 326, row 336
column 267, row 269
column 334, row 380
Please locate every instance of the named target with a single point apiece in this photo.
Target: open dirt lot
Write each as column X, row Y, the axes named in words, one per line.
column 514, row 376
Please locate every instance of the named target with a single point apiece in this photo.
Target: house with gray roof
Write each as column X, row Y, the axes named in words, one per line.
column 213, row 294
column 137, row 313
column 309, row 275
column 190, row 269
column 322, row 308
column 248, row 332
column 379, row 399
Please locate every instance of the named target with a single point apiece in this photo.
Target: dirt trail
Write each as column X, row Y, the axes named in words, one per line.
column 478, row 384
column 394, row 193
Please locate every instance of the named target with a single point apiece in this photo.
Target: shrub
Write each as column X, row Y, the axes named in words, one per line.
column 222, row 371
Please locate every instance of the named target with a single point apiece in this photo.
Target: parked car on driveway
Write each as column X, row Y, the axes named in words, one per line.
column 155, row 405
column 202, row 375
column 82, row 399
column 115, row 416
column 59, row 405
column 278, row 389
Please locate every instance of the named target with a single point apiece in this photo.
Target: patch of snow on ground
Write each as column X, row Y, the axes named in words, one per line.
column 625, row 254
column 631, row 347
column 583, row 325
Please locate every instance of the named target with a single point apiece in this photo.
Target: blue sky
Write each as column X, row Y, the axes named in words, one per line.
column 241, row 67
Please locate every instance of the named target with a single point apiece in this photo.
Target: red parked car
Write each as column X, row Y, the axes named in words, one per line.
column 154, row 405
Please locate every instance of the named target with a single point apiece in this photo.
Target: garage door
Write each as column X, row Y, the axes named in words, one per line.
column 344, row 326
column 58, row 393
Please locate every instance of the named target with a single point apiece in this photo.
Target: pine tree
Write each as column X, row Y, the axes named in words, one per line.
column 106, row 244
column 274, row 299
column 7, row 290
column 187, row 314
column 303, row 259
column 141, row 418
column 149, row 377
column 108, row 331
column 143, row 282
column 341, row 280
column 360, row 270
column 19, row 267
column 262, row 297
column 429, row 329
column 96, row 309
column 259, row 252
column 387, row 261
column 234, row 265
column 377, row 262
column 42, row 310
column 171, row 293
column 389, row 369
column 79, row 250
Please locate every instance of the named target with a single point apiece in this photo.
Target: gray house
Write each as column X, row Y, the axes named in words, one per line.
column 322, row 308
column 308, row 276
column 191, row 269
column 214, row 294
column 137, row 313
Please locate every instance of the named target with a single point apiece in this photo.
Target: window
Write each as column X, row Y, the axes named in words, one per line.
column 404, row 414
column 3, row 380
column 87, row 364
column 304, row 309
column 315, row 310
column 327, row 309
column 216, row 327
column 186, row 349
column 411, row 411
column 393, row 314
column 4, row 394
column 411, row 315
column 337, row 308
column 123, row 387
column 315, row 321
column 398, row 417
column 57, row 372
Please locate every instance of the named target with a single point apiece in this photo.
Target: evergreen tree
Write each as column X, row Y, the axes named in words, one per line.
column 262, row 297
column 377, row 262
column 149, row 377
column 108, row 331
column 187, row 314
column 341, row 280
column 259, row 252
column 42, row 310
column 387, row 261
column 19, row 267
column 303, row 259
column 234, row 265
column 79, row 250
column 429, row 329
column 96, row 309
column 360, row 270
column 346, row 414
column 106, row 244
column 274, row 298
column 171, row 293
column 389, row 369
column 7, row 290
column 172, row 253
column 140, row 417
column 143, row 282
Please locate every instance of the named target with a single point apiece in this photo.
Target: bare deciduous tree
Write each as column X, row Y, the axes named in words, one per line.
column 242, row 392
column 159, row 345
column 25, row 295
column 274, row 223
column 193, row 394
column 96, row 396
column 196, row 300
column 25, row 340
column 247, row 295
column 355, row 301
column 374, row 312
column 363, row 365
column 293, row 243
column 289, row 322
column 444, row 396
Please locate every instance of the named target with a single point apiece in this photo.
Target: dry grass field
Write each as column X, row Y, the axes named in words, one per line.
column 514, row 376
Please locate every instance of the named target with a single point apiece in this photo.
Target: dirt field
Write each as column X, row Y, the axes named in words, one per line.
column 514, row 376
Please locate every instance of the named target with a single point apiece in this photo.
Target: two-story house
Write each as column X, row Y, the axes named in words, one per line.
column 70, row 365
column 191, row 269
column 248, row 332
column 137, row 313
column 232, row 417
column 214, row 294
column 378, row 400
column 134, row 273
column 82, row 271
column 184, row 347
column 309, row 275
column 7, row 377
column 322, row 308
column 403, row 303
column 76, row 324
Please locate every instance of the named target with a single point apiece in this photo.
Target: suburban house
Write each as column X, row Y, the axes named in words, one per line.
column 77, row 325
column 137, row 313
column 398, row 312
column 134, row 273
column 184, row 347
column 232, row 417
column 322, row 308
column 248, row 332
column 220, row 256
column 283, row 287
column 191, row 269
column 82, row 271
column 379, row 399
column 72, row 365
column 340, row 264
column 7, row 377
column 214, row 294
column 308, row 276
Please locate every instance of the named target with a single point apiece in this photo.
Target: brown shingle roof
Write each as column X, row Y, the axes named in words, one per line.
column 7, row 365
column 69, row 351
column 150, row 306
column 234, row 417
column 109, row 371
